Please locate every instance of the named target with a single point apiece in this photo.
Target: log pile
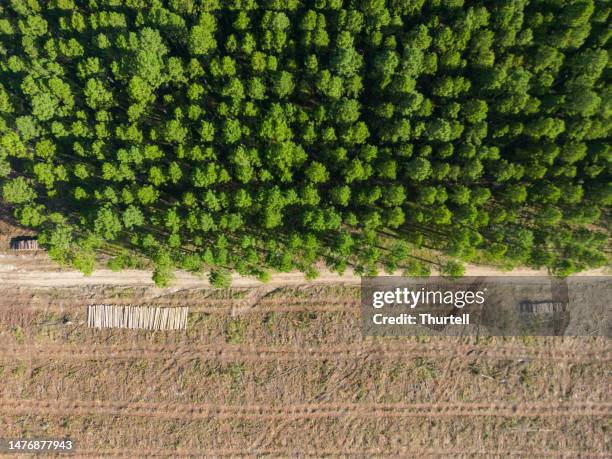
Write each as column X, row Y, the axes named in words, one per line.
column 136, row 317
column 24, row 244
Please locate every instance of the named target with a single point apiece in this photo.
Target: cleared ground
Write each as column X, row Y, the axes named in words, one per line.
column 285, row 372
column 280, row 371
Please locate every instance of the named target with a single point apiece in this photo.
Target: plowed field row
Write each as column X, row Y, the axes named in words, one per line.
column 340, row 452
column 216, row 306
column 302, row 411
column 293, row 353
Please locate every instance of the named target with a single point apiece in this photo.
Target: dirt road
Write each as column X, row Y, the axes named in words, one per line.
column 23, row 271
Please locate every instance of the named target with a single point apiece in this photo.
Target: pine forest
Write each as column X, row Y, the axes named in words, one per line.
column 263, row 136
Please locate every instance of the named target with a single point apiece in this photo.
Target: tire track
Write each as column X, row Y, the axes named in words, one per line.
column 302, row 411
column 295, row 353
column 222, row 306
column 339, row 452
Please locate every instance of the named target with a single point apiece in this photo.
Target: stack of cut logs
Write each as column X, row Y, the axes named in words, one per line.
column 136, row 317
column 24, row 244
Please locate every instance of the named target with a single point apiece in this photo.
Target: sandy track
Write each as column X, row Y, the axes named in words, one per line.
column 301, row 411
column 293, row 353
column 11, row 274
column 15, row 270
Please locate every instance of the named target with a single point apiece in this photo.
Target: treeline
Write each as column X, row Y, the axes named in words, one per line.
column 272, row 135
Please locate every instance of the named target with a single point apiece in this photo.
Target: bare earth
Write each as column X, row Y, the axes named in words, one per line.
column 281, row 370
column 25, row 270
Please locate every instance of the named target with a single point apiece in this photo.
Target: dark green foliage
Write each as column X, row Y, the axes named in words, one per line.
column 269, row 136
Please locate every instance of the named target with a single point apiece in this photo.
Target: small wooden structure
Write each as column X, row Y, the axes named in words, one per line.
column 542, row 307
column 24, row 243
column 136, row 317
column 544, row 318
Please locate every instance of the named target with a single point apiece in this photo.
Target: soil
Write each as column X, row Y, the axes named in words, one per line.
column 280, row 370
